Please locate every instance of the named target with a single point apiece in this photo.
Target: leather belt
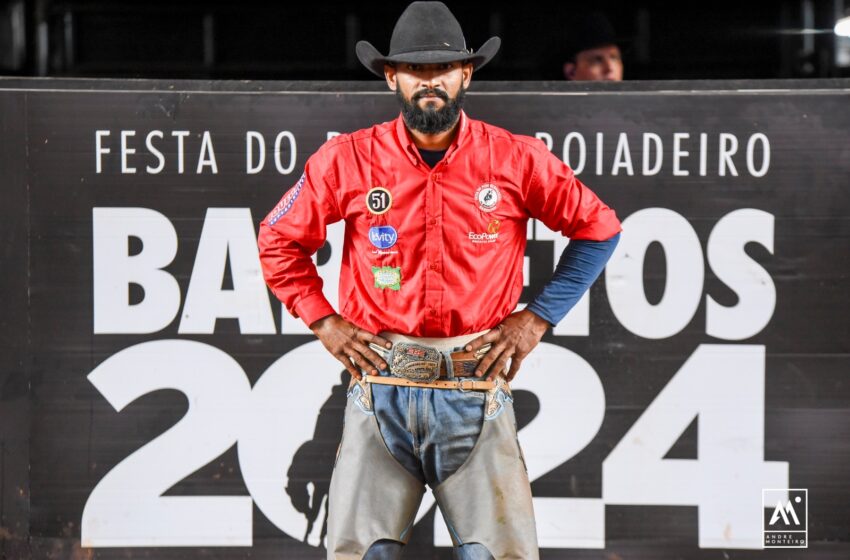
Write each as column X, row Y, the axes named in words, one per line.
column 423, row 364
column 462, row 384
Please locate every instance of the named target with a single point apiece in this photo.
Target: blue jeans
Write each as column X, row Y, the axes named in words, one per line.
column 430, row 432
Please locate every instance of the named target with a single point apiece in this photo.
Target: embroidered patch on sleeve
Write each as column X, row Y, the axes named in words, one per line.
column 286, row 202
column 387, row 277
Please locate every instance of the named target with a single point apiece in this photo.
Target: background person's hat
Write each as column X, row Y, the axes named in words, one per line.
column 589, row 32
column 426, row 33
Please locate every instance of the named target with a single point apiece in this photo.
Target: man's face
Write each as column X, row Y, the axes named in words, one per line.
column 602, row 63
column 430, row 95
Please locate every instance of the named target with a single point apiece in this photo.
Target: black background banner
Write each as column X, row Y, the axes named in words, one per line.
column 710, row 362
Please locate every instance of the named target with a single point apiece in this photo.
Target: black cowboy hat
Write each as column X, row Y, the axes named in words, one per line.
column 589, row 31
column 426, row 33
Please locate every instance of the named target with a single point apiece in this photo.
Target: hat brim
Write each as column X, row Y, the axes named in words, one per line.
column 374, row 60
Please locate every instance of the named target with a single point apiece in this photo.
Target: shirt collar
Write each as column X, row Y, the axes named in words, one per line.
column 412, row 152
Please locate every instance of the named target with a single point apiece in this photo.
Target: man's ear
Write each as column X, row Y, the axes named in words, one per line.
column 390, row 76
column 570, row 70
column 467, row 74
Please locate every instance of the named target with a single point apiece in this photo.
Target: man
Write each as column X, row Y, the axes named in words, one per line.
column 593, row 53
column 436, row 206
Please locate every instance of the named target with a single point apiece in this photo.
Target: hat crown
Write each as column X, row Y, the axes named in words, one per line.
column 426, row 33
column 592, row 30
column 426, row 26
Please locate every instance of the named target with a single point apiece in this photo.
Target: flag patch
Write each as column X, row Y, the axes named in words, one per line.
column 286, row 202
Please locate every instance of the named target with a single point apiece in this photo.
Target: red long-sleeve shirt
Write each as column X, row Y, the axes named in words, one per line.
column 427, row 252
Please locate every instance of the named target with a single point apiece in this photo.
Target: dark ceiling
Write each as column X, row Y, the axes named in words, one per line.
column 293, row 41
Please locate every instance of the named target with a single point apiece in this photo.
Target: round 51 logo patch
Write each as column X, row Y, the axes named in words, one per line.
column 378, row 200
column 488, row 197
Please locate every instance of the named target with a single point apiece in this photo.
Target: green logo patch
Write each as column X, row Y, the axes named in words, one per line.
column 387, row 277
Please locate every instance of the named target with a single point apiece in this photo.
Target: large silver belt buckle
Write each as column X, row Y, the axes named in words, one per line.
column 415, row 362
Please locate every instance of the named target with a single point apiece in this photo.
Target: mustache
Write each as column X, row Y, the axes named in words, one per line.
column 430, row 120
column 430, row 91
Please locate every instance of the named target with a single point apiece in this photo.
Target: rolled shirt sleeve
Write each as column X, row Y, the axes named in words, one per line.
column 289, row 236
column 558, row 199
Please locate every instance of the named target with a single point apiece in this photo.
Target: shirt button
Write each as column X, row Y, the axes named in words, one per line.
column 433, row 221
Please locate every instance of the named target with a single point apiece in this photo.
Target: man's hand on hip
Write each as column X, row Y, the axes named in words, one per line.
column 349, row 343
column 513, row 339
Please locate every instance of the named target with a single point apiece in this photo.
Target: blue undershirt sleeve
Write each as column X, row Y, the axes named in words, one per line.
column 579, row 266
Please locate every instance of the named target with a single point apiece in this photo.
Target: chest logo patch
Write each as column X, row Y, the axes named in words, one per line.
column 383, row 237
column 488, row 196
column 387, row 277
column 378, row 200
column 490, row 236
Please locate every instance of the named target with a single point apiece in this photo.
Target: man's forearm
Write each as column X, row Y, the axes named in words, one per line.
column 579, row 266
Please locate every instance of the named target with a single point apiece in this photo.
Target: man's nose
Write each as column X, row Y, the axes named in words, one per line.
column 430, row 79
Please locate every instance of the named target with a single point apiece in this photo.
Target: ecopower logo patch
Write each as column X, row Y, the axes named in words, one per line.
column 490, row 236
column 785, row 515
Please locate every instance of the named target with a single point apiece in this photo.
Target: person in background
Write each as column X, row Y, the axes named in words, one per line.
column 593, row 52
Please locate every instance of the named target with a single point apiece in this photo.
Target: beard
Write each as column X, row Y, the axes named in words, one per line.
column 430, row 120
